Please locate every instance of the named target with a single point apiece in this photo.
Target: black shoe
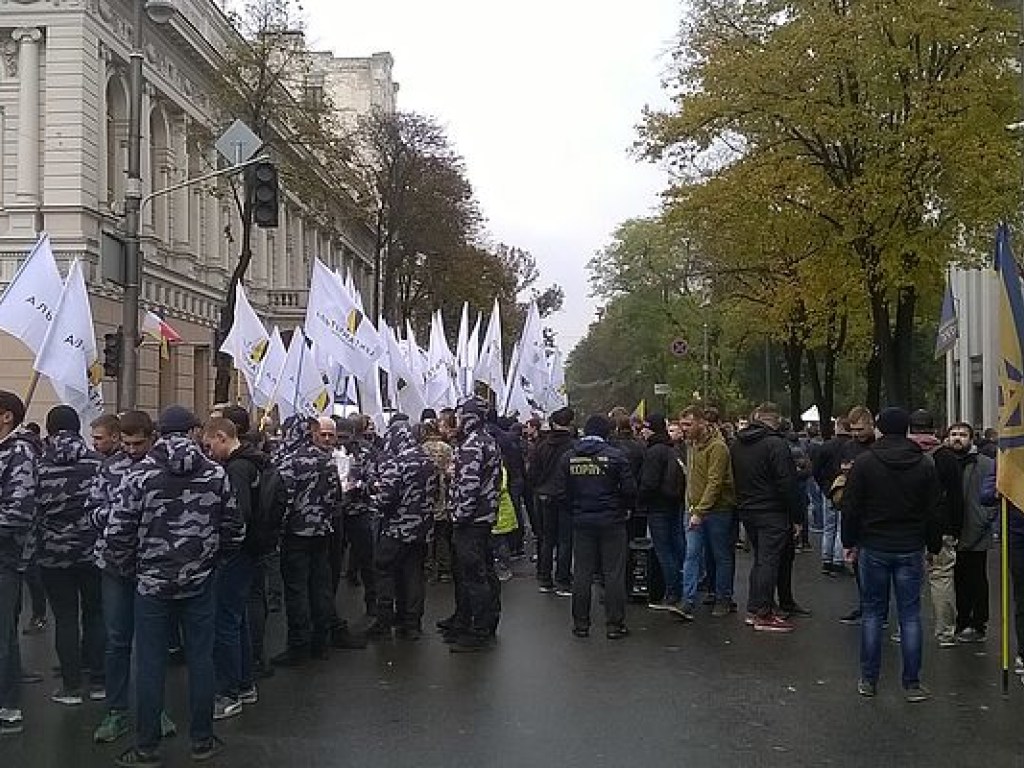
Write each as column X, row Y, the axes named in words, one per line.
column 30, row 676
column 581, row 632
column 293, row 657
column 207, row 749
column 795, row 611
column 446, row 625
column 133, row 757
column 617, row 633
column 464, row 644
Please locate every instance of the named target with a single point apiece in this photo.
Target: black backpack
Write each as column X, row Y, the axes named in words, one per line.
column 270, row 500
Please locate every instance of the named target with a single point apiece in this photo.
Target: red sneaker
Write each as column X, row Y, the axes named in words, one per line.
column 772, row 624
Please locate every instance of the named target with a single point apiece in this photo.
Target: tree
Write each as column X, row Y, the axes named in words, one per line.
column 881, row 122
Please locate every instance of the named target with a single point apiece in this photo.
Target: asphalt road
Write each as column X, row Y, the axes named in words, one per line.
column 711, row 693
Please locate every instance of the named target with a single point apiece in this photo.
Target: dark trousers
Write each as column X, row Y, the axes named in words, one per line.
column 401, row 588
column 970, row 581
column 232, row 648
column 441, row 549
column 119, row 619
column 154, row 617
column 336, row 552
column 477, row 589
column 257, row 607
column 517, row 491
column 359, row 534
column 556, row 534
column 604, row 547
column 76, row 599
column 785, row 585
column 10, row 651
column 530, row 505
column 308, row 600
column 768, row 533
column 1016, row 544
column 36, row 592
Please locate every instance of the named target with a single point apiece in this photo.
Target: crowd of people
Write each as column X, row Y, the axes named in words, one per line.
column 176, row 536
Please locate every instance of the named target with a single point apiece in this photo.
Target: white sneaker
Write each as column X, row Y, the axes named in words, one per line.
column 249, row 696
column 223, row 708
column 10, row 721
column 1018, row 666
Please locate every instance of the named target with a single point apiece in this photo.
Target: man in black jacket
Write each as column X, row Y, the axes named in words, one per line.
column 825, row 468
column 600, row 489
column 549, row 487
column 769, row 506
column 622, row 437
column 889, row 518
column 661, row 497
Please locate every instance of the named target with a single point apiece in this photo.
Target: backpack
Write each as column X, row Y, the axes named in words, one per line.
column 270, row 501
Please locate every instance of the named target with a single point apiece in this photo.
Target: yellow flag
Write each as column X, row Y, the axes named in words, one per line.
column 1010, row 467
column 640, row 412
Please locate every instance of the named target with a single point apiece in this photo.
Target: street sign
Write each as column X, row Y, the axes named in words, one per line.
column 238, row 143
column 679, row 347
column 662, row 389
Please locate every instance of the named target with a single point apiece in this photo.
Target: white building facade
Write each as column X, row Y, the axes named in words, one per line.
column 64, row 99
column 972, row 385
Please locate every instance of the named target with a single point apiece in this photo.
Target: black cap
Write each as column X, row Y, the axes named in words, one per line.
column 428, row 414
column 893, row 421
column 563, row 417
column 598, row 426
column 922, row 421
column 656, row 423
column 11, row 403
column 63, row 418
column 238, row 416
column 176, row 419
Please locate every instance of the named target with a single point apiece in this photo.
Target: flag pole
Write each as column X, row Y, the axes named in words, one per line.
column 1004, row 549
column 33, row 383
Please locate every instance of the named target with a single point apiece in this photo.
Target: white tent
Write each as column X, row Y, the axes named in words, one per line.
column 811, row 414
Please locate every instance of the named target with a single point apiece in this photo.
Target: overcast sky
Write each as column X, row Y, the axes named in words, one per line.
column 542, row 98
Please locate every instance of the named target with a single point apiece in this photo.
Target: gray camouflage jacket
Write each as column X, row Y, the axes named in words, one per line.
column 477, row 474
column 406, row 487
column 174, row 516
column 17, row 500
column 102, row 495
column 311, row 479
column 67, row 470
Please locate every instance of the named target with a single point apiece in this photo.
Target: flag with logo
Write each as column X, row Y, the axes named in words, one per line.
column 438, row 384
column 248, row 341
column 405, row 384
column 68, row 356
column 946, row 336
column 303, row 387
column 339, row 326
column 1010, row 467
column 269, row 378
column 160, row 331
column 28, row 303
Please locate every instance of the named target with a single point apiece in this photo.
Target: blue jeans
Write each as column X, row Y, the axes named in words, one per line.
column 817, row 500
column 232, row 649
column 153, row 618
column 670, row 547
column 711, row 540
column 905, row 571
column 831, row 537
column 119, row 616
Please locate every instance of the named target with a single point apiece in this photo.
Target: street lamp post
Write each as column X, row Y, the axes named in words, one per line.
column 160, row 12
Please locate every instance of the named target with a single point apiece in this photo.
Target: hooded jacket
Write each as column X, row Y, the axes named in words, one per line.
column 174, row 516
column 406, row 489
column 67, row 470
column 17, row 499
column 764, row 473
column 825, row 463
column 633, row 450
column 661, row 477
column 311, row 479
column 599, row 483
column 889, row 504
column 950, row 498
column 545, row 475
column 978, row 517
column 245, row 467
column 476, row 477
column 103, row 492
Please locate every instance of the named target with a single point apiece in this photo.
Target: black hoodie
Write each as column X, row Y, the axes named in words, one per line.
column 545, row 476
column 244, row 467
column 890, row 499
column 661, row 477
column 765, row 473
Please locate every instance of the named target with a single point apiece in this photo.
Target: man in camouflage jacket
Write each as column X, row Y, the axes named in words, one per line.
column 67, row 470
column 403, row 497
column 17, row 512
column 475, row 487
column 174, row 518
column 118, row 588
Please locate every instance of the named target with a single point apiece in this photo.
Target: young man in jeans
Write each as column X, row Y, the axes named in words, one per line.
column 711, row 512
column 174, row 519
column 889, row 518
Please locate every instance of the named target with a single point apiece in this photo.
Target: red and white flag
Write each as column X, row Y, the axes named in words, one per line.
column 157, row 329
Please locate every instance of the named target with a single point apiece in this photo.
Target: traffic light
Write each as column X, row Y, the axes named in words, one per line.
column 263, row 191
column 112, row 353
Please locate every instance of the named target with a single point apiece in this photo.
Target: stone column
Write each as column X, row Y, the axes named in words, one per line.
column 29, row 91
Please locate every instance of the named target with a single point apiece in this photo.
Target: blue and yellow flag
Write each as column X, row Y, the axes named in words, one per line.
column 1010, row 467
column 945, row 337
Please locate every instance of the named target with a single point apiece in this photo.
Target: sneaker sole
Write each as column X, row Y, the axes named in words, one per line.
column 775, row 630
column 227, row 715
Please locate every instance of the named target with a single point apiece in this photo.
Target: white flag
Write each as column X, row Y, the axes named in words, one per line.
column 489, row 366
column 28, row 303
column 514, row 400
column 462, row 353
column 68, row 355
column 437, row 378
column 406, row 385
column 248, row 341
column 554, row 394
column 302, row 388
column 532, row 365
column 269, row 376
column 339, row 326
column 370, row 399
